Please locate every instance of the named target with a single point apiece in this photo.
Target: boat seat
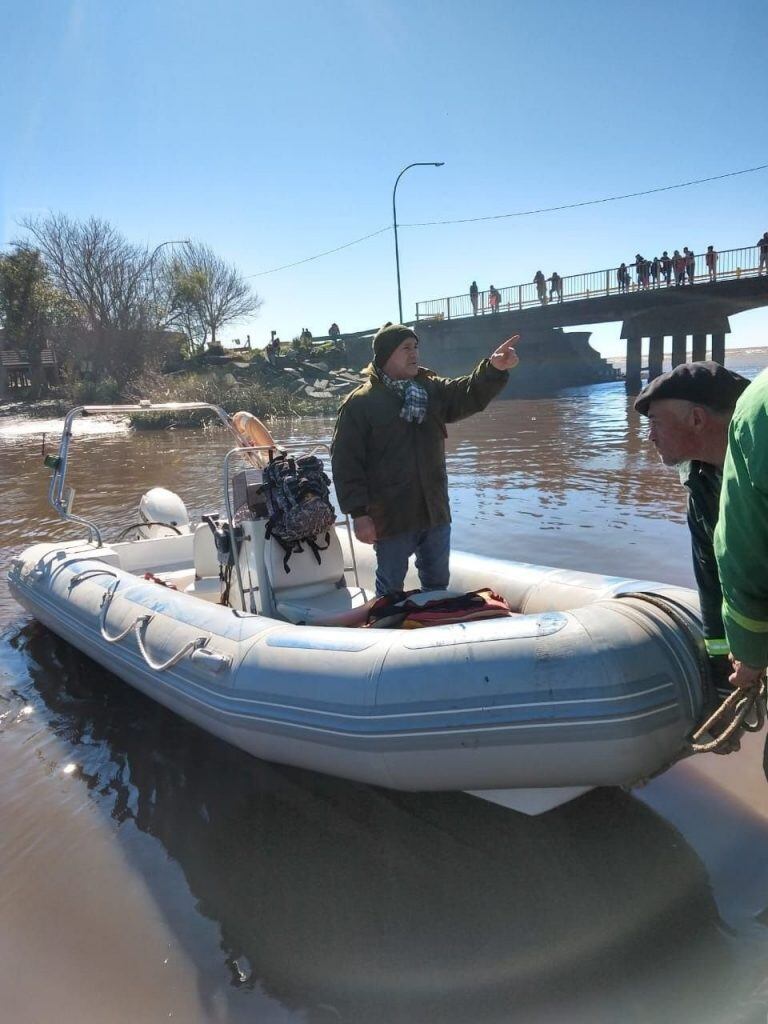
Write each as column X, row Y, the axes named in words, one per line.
column 206, row 583
column 307, row 593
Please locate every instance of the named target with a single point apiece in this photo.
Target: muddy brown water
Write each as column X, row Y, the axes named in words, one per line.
column 151, row 872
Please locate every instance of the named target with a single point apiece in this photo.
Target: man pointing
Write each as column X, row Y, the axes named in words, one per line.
column 388, row 454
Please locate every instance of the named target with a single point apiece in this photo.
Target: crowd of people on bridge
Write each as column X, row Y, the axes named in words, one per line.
column 679, row 270
column 679, row 267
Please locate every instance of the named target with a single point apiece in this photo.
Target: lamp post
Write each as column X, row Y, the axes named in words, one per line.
column 173, row 241
column 428, row 163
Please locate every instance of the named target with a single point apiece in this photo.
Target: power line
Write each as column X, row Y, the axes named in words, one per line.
column 328, row 252
column 587, row 202
column 519, row 213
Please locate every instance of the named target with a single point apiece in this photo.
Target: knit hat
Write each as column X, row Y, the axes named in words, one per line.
column 706, row 383
column 387, row 339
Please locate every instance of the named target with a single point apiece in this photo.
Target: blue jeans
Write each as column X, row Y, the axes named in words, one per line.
column 432, row 549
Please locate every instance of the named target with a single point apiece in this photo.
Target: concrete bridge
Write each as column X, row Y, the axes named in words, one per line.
column 700, row 310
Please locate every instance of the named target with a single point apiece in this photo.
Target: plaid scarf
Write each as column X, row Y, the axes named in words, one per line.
column 413, row 396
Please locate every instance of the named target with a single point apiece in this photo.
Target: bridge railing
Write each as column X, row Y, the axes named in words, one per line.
column 731, row 265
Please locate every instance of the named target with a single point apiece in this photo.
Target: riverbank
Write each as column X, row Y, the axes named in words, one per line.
column 265, row 398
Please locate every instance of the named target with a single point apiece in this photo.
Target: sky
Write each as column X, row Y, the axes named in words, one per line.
column 275, row 132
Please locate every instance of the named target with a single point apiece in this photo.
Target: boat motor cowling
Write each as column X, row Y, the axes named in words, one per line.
column 162, row 514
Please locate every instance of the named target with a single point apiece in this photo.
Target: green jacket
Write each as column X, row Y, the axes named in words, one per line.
column 394, row 470
column 703, row 482
column 741, row 536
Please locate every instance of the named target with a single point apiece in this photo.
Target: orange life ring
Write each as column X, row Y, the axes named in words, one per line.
column 253, row 434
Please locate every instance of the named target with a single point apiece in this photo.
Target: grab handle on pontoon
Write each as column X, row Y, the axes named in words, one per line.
column 212, row 660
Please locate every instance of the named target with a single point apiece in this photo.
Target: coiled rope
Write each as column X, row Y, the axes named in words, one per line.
column 744, row 710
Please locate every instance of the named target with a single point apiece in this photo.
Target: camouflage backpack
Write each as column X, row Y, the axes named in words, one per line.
column 298, row 503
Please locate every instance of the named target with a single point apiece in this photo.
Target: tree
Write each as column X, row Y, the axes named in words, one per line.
column 34, row 312
column 207, row 293
column 108, row 278
column 112, row 284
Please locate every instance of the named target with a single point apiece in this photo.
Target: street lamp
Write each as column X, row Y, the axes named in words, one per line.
column 173, row 241
column 428, row 163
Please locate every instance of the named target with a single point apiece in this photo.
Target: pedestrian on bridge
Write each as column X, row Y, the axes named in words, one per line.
column 762, row 246
column 655, row 268
column 541, row 287
column 679, row 265
column 494, row 299
column 711, row 261
column 473, row 293
column 641, row 269
column 622, row 276
column 690, row 264
column 666, row 267
column 556, row 286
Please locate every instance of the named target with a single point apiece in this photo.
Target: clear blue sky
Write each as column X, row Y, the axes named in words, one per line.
column 275, row 131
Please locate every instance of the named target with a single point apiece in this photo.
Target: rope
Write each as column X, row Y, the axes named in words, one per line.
column 744, row 710
column 747, row 706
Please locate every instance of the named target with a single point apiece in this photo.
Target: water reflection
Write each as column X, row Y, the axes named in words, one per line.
column 356, row 904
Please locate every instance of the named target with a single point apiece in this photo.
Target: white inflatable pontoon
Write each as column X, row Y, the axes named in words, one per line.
column 596, row 682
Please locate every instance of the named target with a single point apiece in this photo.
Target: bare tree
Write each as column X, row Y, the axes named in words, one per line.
column 108, row 278
column 207, row 293
column 113, row 285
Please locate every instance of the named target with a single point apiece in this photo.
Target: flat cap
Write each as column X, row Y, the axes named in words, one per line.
column 708, row 384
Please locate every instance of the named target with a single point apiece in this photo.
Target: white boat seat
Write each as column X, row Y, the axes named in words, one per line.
column 206, row 583
column 307, row 593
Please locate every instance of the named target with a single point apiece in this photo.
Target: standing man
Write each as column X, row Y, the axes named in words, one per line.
column 689, row 410
column 741, row 538
column 762, row 248
column 388, row 454
column 711, row 261
column 473, row 293
column 541, row 287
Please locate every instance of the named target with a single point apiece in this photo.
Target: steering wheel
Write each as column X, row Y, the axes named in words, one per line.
column 137, row 526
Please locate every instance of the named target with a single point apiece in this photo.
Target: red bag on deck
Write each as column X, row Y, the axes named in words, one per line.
column 414, row 610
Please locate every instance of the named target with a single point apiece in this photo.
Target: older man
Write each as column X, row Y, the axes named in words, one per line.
column 689, row 410
column 388, row 454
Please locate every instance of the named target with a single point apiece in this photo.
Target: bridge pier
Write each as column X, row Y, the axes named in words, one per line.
column 718, row 347
column 632, row 380
column 679, row 345
column 698, row 348
column 655, row 356
column 679, row 324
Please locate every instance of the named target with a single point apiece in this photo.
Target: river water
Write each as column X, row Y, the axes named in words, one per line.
column 151, row 872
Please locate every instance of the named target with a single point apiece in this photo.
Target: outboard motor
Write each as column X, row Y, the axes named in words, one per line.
column 162, row 514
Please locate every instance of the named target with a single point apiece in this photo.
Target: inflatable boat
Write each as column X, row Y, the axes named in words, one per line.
column 593, row 681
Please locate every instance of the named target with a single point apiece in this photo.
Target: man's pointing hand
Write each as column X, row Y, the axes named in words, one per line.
column 505, row 357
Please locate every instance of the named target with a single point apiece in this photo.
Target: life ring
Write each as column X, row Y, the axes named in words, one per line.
column 252, row 433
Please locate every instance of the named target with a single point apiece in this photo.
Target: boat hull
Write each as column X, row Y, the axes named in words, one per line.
column 593, row 684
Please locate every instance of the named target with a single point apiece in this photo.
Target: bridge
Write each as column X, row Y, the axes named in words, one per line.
column 650, row 311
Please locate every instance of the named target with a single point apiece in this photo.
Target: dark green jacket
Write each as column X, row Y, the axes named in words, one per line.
column 703, row 482
column 394, row 470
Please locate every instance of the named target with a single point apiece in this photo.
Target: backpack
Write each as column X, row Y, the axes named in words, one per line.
column 298, row 502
